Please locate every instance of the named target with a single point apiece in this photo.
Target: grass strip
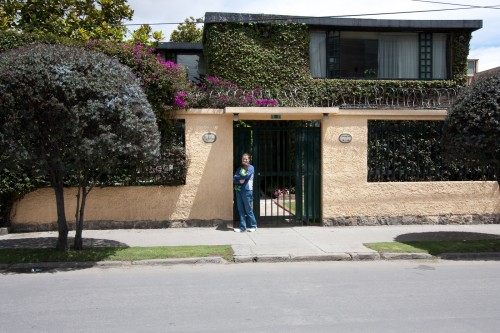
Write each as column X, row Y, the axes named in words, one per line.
column 437, row 247
column 94, row 254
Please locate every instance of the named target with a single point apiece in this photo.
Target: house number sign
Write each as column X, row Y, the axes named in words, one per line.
column 209, row 137
column 345, row 138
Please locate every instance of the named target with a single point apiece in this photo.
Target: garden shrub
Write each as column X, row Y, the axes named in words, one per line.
column 472, row 127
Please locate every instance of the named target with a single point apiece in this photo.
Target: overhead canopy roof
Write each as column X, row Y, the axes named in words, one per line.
column 343, row 23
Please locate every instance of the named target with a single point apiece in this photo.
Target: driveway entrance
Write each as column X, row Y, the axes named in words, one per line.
column 287, row 160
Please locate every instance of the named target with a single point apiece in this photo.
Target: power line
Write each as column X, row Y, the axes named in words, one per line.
column 457, row 4
column 285, row 18
column 277, row 19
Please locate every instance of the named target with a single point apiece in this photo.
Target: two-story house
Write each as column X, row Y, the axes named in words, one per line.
column 354, row 139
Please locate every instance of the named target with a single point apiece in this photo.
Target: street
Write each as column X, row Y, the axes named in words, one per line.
column 397, row 296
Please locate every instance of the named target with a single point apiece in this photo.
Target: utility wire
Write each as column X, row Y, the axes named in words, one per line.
column 457, row 4
column 285, row 18
column 277, row 19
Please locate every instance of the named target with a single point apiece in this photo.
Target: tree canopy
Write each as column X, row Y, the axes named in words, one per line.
column 472, row 127
column 188, row 31
column 144, row 35
column 78, row 19
column 71, row 114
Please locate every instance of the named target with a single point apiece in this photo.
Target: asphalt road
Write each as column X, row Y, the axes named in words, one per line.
column 401, row 296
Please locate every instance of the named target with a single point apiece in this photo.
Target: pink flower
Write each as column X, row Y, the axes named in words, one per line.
column 180, row 99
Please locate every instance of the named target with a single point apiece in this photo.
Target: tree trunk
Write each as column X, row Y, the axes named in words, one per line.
column 497, row 174
column 78, row 245
column 62, row 226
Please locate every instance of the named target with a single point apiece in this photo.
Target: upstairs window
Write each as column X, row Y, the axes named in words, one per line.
column 378, row 55
column 194, row 63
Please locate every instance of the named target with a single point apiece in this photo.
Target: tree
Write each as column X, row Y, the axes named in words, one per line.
column 72, row 115
column 144, row 34
column 472, row 127
column 78, row 19
column 188, row 31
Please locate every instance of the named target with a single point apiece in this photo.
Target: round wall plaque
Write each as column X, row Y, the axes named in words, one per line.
column 345, row 138
column 209, row 137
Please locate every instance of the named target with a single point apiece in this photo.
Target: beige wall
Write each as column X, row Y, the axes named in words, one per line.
column 346, row 191
column 207, row 194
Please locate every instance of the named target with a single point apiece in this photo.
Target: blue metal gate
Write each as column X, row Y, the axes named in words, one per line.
column 287, row 160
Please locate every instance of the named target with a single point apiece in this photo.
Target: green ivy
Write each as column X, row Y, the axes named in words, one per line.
column 275, row 57
column 271, row 56
column 460, row 51
column 412, row 151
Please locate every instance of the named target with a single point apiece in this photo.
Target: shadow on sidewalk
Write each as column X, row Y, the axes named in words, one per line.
column 221, row 227
column 444, row 235
column 50, row 242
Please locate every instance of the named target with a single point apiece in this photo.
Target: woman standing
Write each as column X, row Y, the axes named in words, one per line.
column 243, row 187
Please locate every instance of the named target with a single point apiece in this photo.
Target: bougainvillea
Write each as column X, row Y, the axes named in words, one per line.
column 162, row 80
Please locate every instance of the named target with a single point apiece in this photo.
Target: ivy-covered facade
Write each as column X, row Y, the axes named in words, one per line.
column 308, row 61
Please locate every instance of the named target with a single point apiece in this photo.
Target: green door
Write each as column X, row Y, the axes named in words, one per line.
column 287, row 160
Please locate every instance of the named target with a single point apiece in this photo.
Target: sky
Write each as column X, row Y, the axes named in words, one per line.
column 485, row 43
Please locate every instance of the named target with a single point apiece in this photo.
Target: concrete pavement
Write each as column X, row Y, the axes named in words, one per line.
column 275, row 244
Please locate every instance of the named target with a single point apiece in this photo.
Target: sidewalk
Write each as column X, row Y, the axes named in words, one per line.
column 276, row 244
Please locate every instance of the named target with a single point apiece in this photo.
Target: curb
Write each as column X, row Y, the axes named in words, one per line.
column 406, row 256
column 177, row 261
column 470, row 256
column 40, row 267
column 365, row 256
column 301, row 258
column 352, row 256
column 358, row 256
column 292, row 258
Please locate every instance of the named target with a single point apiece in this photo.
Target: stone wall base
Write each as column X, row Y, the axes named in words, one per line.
column 407, row 220
column 101, row 225
column 327, row 222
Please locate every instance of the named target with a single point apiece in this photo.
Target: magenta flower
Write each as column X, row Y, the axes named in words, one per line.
column 180, row 99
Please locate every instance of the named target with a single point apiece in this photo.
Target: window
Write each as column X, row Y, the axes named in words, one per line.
column 378, row 55
column 194, row 64
column 317, row 51
column 471, row 66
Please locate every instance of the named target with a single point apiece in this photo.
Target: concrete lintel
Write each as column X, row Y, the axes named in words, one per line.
column 280, row 113
column 198, row 112
column 281, row 110
column 398, row 113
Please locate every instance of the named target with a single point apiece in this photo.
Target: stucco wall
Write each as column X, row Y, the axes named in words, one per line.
column 207, row 196
column 346, row 191
column 204, row 197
